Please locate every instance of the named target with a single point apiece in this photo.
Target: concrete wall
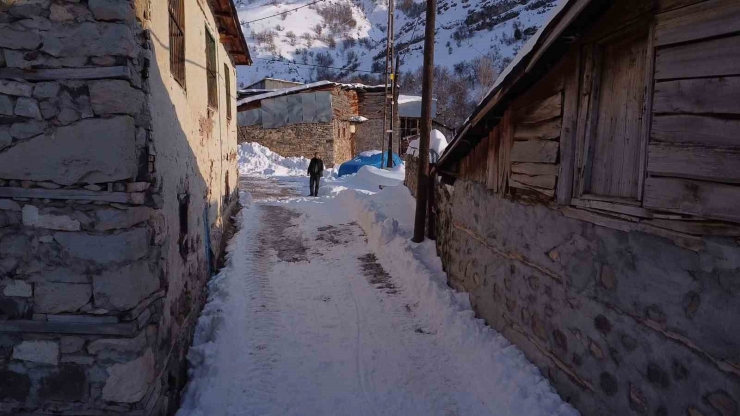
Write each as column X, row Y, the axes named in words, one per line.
column 99, row 288
column 620, row 322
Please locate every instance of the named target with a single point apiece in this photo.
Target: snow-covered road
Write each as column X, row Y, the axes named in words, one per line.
column 326, row 308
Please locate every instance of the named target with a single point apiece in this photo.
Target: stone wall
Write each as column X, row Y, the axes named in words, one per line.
column 620, row 322
column 295, row 140
column 412, row 169
column 100, row 284
column 370, row 133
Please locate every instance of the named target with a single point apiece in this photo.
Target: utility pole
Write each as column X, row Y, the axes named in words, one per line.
column 389, row 76
column 422, row 182
column 396, row 92
column 394, row 113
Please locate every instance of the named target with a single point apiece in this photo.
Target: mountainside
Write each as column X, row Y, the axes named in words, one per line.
column 475, row 40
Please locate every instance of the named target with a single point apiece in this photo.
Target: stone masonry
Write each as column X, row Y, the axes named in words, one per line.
column 622, row 323
column 112, row 208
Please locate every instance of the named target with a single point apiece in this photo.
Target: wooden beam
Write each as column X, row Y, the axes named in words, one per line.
column 569, row 127
column 712, row 58
column 540, row 111
column 702, row 96
column 694, row 162
column 73, row 194
column 119, row 72
column 705, row 199
column 691, row 129
column 535, row 168
column 548, row 130
column 539, row 181
column 538, row 151
column 698, row 21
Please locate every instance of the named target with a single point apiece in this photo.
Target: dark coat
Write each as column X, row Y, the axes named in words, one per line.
column 316, row 167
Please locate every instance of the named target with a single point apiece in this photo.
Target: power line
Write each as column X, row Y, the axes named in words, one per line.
column 318, row 66
column 282, row 13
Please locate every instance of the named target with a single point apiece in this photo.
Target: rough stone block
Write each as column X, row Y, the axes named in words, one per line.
column 123, row 289
column 22, row 131
column 94, row 150
column 44, row 90
column 13, row 385
column 49, row 108
column 129, row 382
column 59, row 275
column 32, row 218
column 111, row 9
column 111, row 218
column 125, row 246
column 60, row 297
column 78, row 359
column 6, row 105
column 69, row 11
column 14, row 245
column 69, row 384
column 118, row 344
column 18, row 39
column 9, row 205
column 42, row 352
column 115, row 97
column 28, row 107
column 89, row 39
column 18, row 89
column 71, row 344
column 18, row 288
column 5, row 138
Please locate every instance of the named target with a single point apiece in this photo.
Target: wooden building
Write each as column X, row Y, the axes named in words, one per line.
column 591, row 205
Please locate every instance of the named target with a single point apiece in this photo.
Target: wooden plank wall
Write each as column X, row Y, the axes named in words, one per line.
column 537, row 125
column 693, row 161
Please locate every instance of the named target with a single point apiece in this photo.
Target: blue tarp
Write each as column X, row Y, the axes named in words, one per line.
column 377, row 160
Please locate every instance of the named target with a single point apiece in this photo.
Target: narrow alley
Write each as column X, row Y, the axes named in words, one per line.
column 305, row 320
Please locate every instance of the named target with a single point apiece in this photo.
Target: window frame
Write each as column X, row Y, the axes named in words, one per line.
column 211, row 70
column 227, row 90
column 589, row 85
column 176, row 11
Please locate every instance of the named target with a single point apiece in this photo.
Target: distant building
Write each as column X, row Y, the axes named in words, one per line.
column 337, row 120
column 118, row 178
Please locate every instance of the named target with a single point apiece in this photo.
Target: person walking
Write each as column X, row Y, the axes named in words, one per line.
column 315, row 171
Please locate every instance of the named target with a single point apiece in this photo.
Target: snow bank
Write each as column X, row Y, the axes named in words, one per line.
column 437, row 143
column 257, row 159
column 485, row 355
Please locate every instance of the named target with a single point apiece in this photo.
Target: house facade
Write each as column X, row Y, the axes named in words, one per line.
column 590, row 206
column 117, row 182
column 337, row 120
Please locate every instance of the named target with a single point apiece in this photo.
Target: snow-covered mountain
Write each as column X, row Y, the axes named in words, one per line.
column 350, row 35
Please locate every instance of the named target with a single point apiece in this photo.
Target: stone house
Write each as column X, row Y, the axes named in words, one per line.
column 118, row 179
column 591, row 208
column 326, row 117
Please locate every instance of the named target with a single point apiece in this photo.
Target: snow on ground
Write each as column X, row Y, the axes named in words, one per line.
column 325, row 307
column 257, row 159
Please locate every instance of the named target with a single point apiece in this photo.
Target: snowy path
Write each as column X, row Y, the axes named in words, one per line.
column 306, row 321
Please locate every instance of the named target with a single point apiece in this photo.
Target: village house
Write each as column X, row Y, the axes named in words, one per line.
column 337, row 120
column 590, row 206
column 118, row 180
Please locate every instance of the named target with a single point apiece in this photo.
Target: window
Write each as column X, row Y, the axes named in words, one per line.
column 227, row 80
column 177, row 41
column 211, row 71
column 614, row 135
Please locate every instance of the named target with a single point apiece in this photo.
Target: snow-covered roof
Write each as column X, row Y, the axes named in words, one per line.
column 523, row 61
column 410, row 106
column 306, row 87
